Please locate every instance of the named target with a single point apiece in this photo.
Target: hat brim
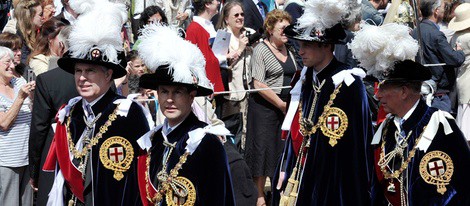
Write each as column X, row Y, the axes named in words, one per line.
column 460, row 25
column 68, row 64
column 161, row 77
column 408, row 70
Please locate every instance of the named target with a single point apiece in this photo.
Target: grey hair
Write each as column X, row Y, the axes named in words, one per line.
column 428, row 6
column 6, row 51
column 63, row 36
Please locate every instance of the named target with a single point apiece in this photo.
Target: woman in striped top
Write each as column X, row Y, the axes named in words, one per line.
column 15, row 119
column 272, row 65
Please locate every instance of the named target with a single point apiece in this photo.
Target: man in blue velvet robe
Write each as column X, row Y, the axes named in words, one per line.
column 421, row 145
column 334, row 164
column 94, row 150
column 183, row 162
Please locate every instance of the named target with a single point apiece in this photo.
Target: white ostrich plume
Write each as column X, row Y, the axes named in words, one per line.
column 377, row 48
column 99, row 28
column 324, row 14
column 161, row 45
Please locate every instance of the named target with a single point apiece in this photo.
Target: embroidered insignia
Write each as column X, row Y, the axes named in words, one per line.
column 436, row 168
column 334, row 124
column 95, row 53
column 116, row 153
column 188, row 196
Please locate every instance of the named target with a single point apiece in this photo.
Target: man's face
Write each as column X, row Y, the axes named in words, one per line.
column 440, row 11
column 92, row 81
column 313, row 55
column 382, row 4
column 175, row 102
column 389, row 97
column 213, row 7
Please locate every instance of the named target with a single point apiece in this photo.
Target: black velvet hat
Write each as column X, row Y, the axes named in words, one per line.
column 164, row 76
column 333, row 35
column 407, row 70
column 96, row 57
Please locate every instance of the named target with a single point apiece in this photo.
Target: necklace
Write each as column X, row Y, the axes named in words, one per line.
column 386, row 158
column 275, row 46
column 91, row 142
column 170, row 183
column 307, row 123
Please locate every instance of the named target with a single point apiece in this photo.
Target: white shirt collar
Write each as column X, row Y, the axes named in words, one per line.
column 397, row 120
column 84, row 103
column 166, row 129
column 408, row 114
column 206, row 24
column 256, row 2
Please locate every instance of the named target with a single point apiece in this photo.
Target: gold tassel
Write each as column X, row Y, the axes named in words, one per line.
column 71, row 202
column 293, row 194
column 290, row 184
column 283, row 201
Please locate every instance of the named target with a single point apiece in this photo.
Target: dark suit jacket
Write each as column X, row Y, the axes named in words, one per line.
column 253, row 18
column 343, row 53
column 436, row 49
column 53, row 89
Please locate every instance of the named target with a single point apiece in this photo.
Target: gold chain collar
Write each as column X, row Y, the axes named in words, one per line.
column 170, row 183
column 307, row 127
column 383, row 167
column 93, row 141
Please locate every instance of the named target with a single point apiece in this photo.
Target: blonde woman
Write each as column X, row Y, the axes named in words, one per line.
column 28, row 14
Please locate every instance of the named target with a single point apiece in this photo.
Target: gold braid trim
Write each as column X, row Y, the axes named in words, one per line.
column 93, row 141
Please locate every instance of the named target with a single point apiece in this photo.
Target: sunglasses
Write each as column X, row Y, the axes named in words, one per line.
column 239, row 14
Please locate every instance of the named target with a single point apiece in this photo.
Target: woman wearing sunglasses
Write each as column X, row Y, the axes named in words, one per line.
column 238, row 59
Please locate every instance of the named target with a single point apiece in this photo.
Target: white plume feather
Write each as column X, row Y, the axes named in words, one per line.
column 161, row 45
column 84, row 6
column 324, row 14
column 99, row 28
column 377, row 48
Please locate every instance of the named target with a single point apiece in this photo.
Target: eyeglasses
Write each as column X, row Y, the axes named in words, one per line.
column 239, row 14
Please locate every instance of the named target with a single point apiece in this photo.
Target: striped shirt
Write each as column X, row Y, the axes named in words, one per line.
column 14, row 142
column 265, row 67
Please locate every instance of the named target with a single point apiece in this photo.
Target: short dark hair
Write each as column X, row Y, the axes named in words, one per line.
column 428, row 6
column 200, row 5
column 149, row 12
column 132, row 55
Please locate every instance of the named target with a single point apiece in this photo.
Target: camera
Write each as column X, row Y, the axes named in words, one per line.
column 253, row 38
column 30, row 76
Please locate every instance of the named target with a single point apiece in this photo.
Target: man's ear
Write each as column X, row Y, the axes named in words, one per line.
column 61, row 48
column 193, row 94
column 109, row 74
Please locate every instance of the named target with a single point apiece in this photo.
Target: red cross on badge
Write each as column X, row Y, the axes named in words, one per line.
column 116, row 154
column 319, row 33
column 436, row 168
column 96, row 53
column 332, row 122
